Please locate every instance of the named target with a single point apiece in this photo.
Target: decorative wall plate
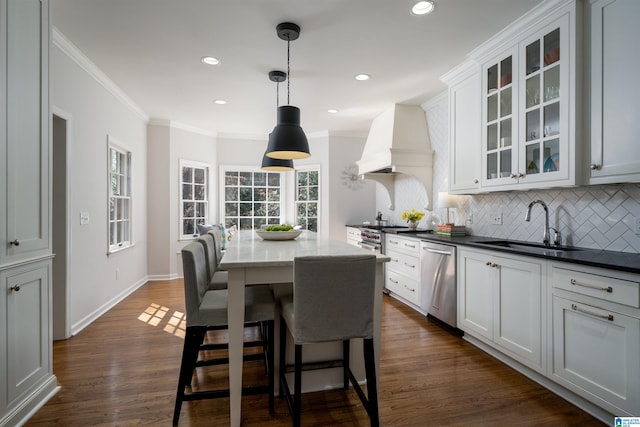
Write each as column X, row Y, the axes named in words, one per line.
column 351, row 179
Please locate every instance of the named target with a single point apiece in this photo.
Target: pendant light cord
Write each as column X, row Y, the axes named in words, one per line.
column 288, row 70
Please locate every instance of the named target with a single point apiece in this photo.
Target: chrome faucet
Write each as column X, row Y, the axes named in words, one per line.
column 527, row 217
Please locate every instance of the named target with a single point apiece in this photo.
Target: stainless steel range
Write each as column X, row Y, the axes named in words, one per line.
column 372, row 238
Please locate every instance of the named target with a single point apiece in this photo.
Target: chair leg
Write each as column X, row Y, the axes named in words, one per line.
column 283, row 350
column 192, row 340
column 372, row 387
column 297, row 400
column 345, row 363
column 271, row 363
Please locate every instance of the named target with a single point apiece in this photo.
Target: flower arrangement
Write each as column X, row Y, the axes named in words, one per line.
column 411, row 216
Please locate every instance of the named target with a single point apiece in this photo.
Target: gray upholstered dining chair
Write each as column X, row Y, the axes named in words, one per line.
column 207, row 308
column 216, row 233
column 218, row 279
column 333, row 300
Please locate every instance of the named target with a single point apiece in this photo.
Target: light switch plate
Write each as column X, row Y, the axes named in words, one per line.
column 84, row 218
column 637, row 230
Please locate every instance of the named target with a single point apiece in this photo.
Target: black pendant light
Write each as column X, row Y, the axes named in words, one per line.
column 288, row 141
column 268, row 163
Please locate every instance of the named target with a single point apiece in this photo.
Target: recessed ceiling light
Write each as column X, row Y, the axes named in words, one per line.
column 332, row 110
column 362, row 77
column 210, row 60
column 220, row 101
column 423, row 8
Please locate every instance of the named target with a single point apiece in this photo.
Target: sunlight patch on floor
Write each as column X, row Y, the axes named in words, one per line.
column 154, row 315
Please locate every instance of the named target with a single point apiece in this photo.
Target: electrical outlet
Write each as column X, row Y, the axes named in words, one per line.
column 470, row 219
column 638, row 226
column 496, row 218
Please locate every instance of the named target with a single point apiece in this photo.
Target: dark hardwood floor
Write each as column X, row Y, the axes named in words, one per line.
column 122, row 370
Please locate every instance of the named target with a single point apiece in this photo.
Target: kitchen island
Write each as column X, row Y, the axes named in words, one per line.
column 253, row 261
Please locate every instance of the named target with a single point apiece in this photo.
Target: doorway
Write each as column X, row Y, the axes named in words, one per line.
column 60, row 226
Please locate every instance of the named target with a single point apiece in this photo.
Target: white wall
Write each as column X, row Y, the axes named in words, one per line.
column 347, row 205
column 169, row 143
column 97, row 280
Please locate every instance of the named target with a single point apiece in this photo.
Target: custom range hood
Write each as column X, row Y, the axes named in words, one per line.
column 398, row 143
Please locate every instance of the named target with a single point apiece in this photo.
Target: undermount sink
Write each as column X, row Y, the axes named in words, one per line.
column 537, row 248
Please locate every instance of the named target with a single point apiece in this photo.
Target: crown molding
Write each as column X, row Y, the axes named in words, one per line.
column 75, row 54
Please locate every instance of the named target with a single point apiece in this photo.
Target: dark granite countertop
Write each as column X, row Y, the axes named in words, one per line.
column 621, row 261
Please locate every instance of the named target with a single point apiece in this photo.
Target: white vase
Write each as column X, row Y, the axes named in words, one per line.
column 413, row 225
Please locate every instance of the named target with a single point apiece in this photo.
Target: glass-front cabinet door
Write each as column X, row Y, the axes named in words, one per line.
column 526, row 110
column 500, row 119
column 544, row 106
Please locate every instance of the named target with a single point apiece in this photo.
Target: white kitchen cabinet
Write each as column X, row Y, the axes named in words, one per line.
column 24, row 139
column 501, row 303
column 615, row 113
column 596, row 336
column 402, row 272
column 464, row 128
column 26, row 378
column 529, row 111
column 354, row 236
column 27, row 346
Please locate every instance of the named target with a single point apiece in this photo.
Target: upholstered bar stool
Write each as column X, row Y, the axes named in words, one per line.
column 207, row 308
column 216, row 233
column 333, row 300
column 218, row 279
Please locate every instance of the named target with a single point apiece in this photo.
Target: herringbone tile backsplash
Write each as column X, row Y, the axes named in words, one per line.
column 597, row 217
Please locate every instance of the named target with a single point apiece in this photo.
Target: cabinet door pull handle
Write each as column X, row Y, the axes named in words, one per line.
column 394, row 260
column 409, row 289
column 15, row 242
column 521, row 175
column 488, row 263
column 410, row 265
column 410, row 246
column 513, row 175
column 393, row 281
column 586, row 285
column 491, row 264
column 595, row 167
column 608, row 317
column 475, row 181
column 15, row 288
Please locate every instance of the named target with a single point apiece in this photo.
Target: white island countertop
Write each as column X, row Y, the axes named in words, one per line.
column 247, row 249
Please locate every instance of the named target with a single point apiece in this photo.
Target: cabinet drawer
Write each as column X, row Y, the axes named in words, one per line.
column 402, row 286
column 400, row 244
column 405, row 264
column 602, row 287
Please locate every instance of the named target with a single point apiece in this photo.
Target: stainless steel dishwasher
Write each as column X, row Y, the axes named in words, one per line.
column 438, row 281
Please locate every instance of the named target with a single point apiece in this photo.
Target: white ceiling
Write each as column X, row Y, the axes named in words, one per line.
column 152, row 49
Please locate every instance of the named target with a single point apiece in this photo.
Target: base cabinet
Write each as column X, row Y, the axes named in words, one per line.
column 402, row 272
column 596, row 337
column 501, row 303
column 26, row 344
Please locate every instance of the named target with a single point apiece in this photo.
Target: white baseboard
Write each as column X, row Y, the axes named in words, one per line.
column 91, row 317
column 32, row 403
column 158, row 277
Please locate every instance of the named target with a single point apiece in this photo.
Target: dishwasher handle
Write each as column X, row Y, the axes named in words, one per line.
column 437, row 251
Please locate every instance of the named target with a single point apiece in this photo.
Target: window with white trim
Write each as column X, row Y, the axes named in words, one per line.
column 307, row 198
column 252, row 198
column 120, row 199
column 194, row 197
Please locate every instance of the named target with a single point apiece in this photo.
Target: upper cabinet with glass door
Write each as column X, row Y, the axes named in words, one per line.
column 500, row 118
column 529, row 101
column 544, row 106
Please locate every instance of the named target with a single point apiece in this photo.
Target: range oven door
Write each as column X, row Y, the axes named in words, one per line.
column 373, row 247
